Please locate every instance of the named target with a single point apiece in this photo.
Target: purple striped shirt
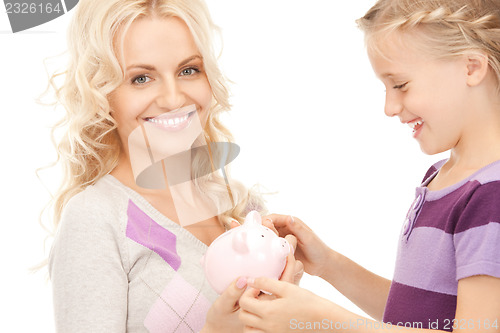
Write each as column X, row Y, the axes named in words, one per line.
column 448, row 235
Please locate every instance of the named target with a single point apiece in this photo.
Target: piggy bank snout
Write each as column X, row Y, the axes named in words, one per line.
column 282, row 246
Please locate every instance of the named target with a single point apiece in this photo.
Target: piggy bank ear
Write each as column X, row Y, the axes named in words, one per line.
column 253, row 217
column 240, row 244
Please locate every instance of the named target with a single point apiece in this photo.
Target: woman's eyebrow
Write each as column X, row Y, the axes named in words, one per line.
column 152, row 68
column 186, row 61
column 148, row 67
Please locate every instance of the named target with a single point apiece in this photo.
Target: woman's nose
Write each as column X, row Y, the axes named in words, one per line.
column 171, row 96
column 393, row 104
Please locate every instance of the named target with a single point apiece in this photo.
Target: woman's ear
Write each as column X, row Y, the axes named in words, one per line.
column 477, row 68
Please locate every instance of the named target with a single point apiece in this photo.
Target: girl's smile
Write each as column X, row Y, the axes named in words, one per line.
column 416, row 125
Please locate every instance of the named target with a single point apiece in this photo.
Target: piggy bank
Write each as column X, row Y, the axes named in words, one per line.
column 251, row 250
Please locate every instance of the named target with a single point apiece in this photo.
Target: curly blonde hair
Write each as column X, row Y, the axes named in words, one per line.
column 90, row 146
column 449, row 27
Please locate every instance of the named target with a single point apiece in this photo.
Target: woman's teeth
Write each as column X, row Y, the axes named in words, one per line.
column 169, row 122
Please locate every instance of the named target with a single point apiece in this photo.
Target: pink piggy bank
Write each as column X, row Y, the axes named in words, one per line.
column 251, row 250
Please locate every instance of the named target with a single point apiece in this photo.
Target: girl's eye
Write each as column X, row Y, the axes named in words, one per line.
column 189, row 71
column 400, row 86
column 141, row 79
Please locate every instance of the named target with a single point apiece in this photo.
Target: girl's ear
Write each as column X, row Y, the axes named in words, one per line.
column 477, row 68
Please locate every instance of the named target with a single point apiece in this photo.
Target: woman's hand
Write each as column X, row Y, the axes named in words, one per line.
column 223, row 314
column 311, row 251
column 294, row 268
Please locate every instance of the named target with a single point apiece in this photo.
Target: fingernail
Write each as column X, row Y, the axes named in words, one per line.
column 269, row 220
column 292, row 220
column 251, row 280
column 241, row 283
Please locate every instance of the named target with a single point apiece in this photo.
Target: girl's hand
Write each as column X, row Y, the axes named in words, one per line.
column 311, row 251
column 291, row 305
column 223, row 314
column 294, row 269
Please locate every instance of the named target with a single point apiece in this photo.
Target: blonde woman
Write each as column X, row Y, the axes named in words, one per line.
column 440, row 63
column 122, row 259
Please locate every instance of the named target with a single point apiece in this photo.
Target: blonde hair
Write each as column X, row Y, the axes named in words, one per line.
column 448, row 28
column 90, row 146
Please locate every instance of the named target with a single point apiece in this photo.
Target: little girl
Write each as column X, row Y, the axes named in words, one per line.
column 122, row 260
column 440, row 63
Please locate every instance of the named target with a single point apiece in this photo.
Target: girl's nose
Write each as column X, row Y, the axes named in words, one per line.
column 171, row 96
column 393, row 104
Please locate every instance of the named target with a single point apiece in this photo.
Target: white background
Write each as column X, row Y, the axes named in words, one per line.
column 307, row 114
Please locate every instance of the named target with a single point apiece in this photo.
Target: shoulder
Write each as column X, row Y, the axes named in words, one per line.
column 102, row 203
column 483, row 187
column 488, row 174
column 480, row 198
column 104, row 195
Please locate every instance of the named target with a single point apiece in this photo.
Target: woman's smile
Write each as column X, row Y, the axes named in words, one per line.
column 175, row 120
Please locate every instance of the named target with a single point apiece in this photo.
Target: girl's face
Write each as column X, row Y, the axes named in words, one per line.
column 163, row 72
column 428, row 95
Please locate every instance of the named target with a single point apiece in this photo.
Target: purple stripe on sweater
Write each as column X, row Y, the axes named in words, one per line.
column 415, row 307
column 482, row 208
column 426, row 261
column 477, row 251
column 470, row 206
column 442, row 213
column 144, row 230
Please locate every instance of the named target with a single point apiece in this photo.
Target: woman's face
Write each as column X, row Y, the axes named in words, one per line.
column 163, row 72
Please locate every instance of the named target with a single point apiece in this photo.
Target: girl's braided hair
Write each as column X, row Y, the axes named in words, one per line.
column 449, row 27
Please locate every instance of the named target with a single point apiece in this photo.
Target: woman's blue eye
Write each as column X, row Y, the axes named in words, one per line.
column 141, row 79
column 189, row 71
